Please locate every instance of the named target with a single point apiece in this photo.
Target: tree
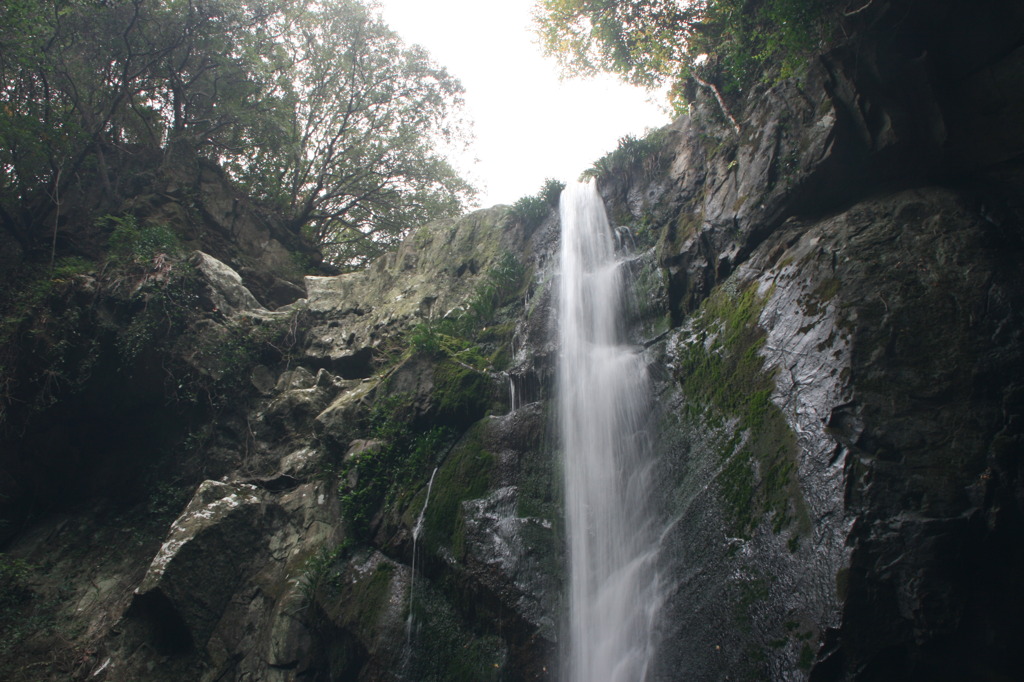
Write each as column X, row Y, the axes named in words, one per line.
column 91, row 83
column 316, row 107
column 727, row 43
column 358, row 164
column 643, row 41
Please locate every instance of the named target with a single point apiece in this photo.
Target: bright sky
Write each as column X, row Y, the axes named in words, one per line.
column 527, row 125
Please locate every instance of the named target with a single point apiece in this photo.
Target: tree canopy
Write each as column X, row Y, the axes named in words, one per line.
column 664, row 42
column 316, row 108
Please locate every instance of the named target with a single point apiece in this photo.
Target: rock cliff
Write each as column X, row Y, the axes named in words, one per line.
column 830, row 305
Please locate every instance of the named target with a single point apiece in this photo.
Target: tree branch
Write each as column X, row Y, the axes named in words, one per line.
column 718, row 98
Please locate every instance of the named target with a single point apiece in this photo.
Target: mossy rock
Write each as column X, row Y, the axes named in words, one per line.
column 446, row 647
column 359, row 598
column 461, row 393
column 466, row 474
column 728, row 387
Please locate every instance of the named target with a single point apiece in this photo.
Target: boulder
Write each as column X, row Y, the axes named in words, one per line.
column 225, row 290
column 212, row 548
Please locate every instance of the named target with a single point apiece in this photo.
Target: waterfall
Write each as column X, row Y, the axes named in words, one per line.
column 416, row 532
column 513, row 405
column 603, row 402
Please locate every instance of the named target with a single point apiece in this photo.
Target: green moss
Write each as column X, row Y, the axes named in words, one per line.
column 373, row 595
column 648, row 298
column 738, row 488
column 827, row 288
column 477, row 334
column 676, row 233
column 724, row 379
column 480, row 659
column 497, row 332
column 644, row 230
column 389, row 473
column 539, row 496
column 462, row 393
column 721, row 365
column 464, row 475
column 320, row 570
column 751, row 593
column 358, row 595
column 501, row 359
column 814, row 303
column 447, row 648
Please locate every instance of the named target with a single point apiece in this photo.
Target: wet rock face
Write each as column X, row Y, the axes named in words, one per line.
column 511, row 544
column 879, row 535
column 893, row 310
column 932, row 376
column 896, row 106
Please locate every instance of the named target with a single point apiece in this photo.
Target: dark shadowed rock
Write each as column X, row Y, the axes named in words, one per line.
column 198, row 568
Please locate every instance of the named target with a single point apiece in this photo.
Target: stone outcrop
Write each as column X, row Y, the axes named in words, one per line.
column 267, row 574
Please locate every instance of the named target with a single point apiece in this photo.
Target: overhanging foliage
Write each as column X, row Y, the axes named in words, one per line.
column 729, row 44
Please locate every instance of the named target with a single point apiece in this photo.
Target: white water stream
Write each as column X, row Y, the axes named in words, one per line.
column 416, row 532
column 603, row 402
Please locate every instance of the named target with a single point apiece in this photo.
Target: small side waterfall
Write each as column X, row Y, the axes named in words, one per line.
column 513, row 403
column 416, row 532
column 603, row 403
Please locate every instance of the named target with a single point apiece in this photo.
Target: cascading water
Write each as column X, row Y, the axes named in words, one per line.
column 603, row 403
column 513, row 403
column 416, row 531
